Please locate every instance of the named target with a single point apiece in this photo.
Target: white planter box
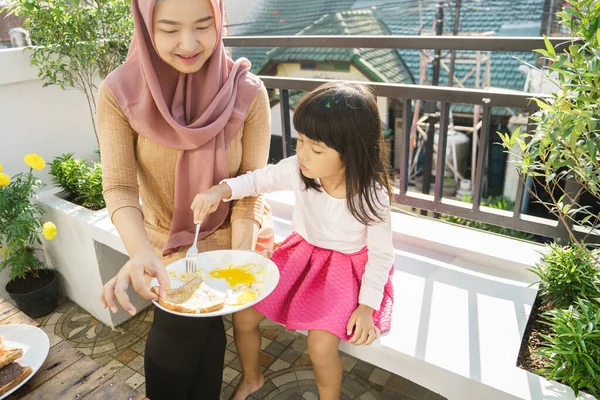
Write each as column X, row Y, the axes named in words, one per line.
column 86, row 253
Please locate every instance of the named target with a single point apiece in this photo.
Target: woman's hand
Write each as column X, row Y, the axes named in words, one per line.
column 361, row 322
column 207, row 202
column 138, row 271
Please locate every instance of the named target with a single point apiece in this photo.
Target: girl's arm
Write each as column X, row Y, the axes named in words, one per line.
column 265, row 180
column 268, row 179
column 381, row 257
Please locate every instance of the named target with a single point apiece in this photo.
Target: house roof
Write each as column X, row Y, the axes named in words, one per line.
column 498, row 17
column 381, row 65
column 281, row 18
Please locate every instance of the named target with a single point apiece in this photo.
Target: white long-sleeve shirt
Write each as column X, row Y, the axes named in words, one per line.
column 325, row 221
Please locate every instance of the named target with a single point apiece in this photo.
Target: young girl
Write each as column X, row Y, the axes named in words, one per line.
column 336, row 267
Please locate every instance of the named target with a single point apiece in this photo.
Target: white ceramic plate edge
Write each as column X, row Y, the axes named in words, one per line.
column 227, row 309
column 44, row 347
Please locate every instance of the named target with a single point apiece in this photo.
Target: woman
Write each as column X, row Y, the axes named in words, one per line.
column 177, row 117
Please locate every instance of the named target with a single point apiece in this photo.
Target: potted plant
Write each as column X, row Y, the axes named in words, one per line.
column 32, row 286
column 76, row 44
column 562, row 339
column 561, row 156
column 79, row 180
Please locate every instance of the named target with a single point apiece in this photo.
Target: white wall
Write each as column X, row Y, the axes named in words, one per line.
column 33, row 119
column 48, row 121
column 237, row 11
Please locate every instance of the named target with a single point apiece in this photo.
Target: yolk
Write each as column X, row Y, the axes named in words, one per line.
column 234, row 276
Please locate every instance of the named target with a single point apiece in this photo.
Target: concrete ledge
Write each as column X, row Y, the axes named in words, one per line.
column 462, row 299
column 15, row 67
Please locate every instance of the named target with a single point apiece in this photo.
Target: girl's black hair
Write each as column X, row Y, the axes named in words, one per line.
column 344, row 116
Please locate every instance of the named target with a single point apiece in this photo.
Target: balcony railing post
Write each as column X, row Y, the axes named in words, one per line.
column 402, row 144
column 482, row 157
column 286, row 134
column 522, row 195
column 440, row 167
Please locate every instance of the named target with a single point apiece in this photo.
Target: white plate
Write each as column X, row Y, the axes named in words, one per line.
column 211, row 260
column 35, row 345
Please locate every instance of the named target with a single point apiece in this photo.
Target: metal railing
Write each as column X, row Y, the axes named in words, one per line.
column 486, row 99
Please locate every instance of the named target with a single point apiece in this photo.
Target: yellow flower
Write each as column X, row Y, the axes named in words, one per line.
column 35, row 161
column 49, row 230
column 4, row 180
column 1, row 168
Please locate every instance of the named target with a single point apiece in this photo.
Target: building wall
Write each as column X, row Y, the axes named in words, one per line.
column 33, row 119
column 48, row 121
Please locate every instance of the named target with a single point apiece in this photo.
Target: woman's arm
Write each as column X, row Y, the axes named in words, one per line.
column 247, row 213
column 119, row 176
column 120, row 189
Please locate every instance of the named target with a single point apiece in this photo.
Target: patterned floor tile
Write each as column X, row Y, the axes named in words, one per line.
column 379, row 376
column 137, row 364
column 126, row 356
column 139, row 347
column 265, row 359
column 303, row 360
column 229, row 374
column 284, row 359
column 275, row 348
column 136, row 381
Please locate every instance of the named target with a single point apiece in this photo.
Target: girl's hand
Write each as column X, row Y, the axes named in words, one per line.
column 207, row 202
column 361, row 322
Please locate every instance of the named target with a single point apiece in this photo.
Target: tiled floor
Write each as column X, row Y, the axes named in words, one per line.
column 283, row 359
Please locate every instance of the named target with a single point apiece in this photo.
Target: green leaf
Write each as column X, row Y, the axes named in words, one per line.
column 561, row 61
column 573, row 12
column 549, row 47
column 591, row 146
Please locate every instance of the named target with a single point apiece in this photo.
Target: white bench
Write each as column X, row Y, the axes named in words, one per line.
column 462, row 302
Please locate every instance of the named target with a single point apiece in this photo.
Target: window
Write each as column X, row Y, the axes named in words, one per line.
column 325, row 66
column 342, row 67
column 309, row 66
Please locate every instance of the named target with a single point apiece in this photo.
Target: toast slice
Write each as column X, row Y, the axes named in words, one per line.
column 192, row 298
column 11, row 375
column 9, row 355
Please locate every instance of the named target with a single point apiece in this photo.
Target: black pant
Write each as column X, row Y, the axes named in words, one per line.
column 184, row 357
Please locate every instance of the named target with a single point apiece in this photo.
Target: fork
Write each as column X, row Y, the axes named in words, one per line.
column 192, row 254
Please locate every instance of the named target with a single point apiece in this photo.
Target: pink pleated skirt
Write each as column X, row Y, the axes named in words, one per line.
column 318, row 289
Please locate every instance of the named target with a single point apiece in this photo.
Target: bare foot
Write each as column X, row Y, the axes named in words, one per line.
column 246, row 387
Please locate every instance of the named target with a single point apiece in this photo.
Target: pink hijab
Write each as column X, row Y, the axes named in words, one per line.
column 151, row 94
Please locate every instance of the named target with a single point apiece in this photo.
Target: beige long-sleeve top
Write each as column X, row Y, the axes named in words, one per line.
column 135, row 168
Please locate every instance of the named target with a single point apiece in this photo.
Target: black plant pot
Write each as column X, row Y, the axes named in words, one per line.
column 35, row 296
